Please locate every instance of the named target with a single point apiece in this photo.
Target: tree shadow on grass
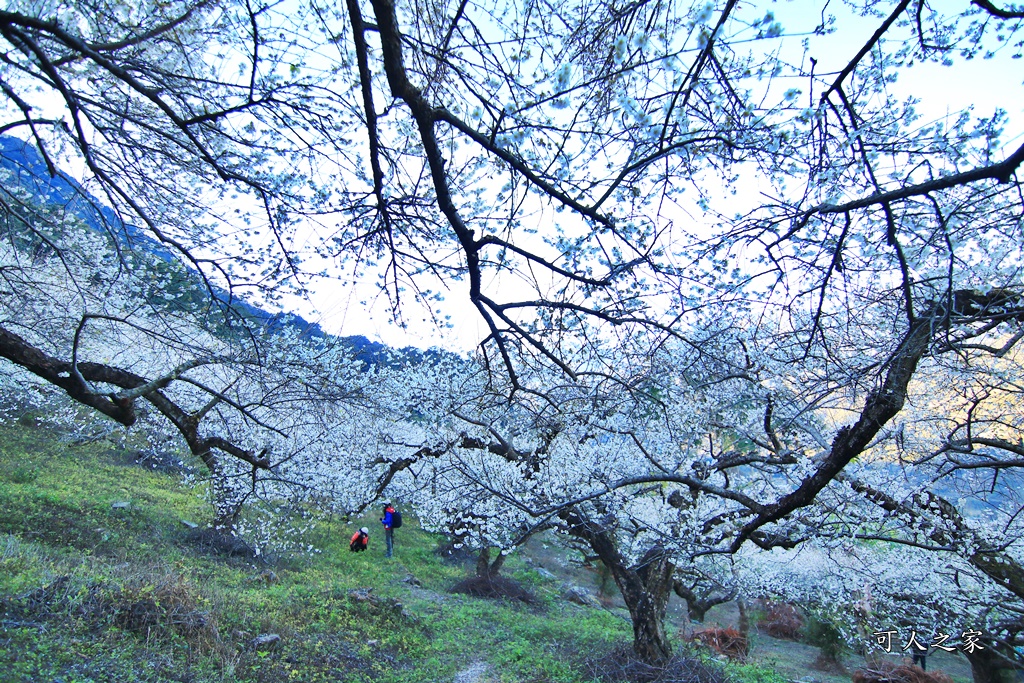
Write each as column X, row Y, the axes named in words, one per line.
column 623, row 666
column 496, row 587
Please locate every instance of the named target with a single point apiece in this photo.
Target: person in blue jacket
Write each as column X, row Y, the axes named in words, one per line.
column 389, row 532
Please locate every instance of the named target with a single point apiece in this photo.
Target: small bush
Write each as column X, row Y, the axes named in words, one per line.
column 892, row 672
column 168, row 604
column 755, row 673
column 149, row 604
column 781, row 620
column 827, row 637
column 724, row 641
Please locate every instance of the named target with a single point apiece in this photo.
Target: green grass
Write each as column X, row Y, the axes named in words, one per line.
column 90, row 593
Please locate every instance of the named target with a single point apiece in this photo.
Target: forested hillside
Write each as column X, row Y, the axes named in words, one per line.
column 177, row 286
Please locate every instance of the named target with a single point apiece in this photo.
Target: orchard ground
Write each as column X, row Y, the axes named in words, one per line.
column 104, row 578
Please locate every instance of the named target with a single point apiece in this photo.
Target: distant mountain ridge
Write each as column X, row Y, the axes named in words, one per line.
column 29, row 169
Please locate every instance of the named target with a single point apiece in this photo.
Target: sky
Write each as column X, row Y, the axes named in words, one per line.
column 345, row 308
column 942, row 91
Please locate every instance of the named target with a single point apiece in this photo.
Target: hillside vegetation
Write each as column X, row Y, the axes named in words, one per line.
column 92, row 590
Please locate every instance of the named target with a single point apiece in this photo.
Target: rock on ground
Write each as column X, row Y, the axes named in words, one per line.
column 474, row 673
column 580, row 596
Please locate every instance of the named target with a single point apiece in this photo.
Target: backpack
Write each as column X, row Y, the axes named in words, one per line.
column 396, row 519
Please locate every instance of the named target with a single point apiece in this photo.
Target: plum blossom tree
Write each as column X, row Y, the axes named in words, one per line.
column 706, row 455
column 657, row 389
column 619, row 473
column 428, row 146
column 219, row 165
column 276, row 417
column 879, row 595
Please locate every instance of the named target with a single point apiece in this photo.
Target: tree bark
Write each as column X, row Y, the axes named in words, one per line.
column 987, row 666
column 883, row 404
column 744, row 623
column 73, row 378
column 483, row 563
column 487, row 568
column 645, row 587
column 76, row 380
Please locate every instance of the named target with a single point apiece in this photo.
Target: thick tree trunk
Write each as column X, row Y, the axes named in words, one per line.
column 226, row 504
column 483, row 563
column 644, row 586
column 485, row 567
column 989, row 667
column 646, row 601
column 497, row 563
column 604, row 581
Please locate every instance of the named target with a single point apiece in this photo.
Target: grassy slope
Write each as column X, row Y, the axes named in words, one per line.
column 140, row 603
column 90, row 593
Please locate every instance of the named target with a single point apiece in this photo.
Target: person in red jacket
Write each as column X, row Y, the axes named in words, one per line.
column 388, row 521
column 360, row 540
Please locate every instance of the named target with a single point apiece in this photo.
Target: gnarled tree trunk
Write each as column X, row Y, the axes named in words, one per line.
column 989, row 666
column 698, row 602
column 645, row 587
column 487, row 568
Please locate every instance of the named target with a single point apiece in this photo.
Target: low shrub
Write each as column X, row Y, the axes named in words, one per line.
column 164, row 604
column 781, row 620
column 896, row 672
column 149, row 604
column 826, row 636
column 724, row 641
